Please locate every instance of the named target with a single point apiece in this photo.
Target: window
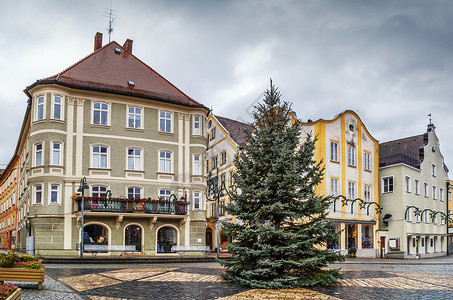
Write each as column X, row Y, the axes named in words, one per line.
column 164, row 194
column 351, row 190
column 417, row 187
column 56, row 154
column 333, row 151
column 38, row 155
column 100, row 113
column 407, row 182
column 134, row 117
column 367, row 193
column 207, row 166
column 434, row 170
column 38, row 194
column 442, row 220
column 418, row 215
column 196, row 200
column 449, row 196
column 165, row 121
column 98, row 191
column 57, row 112
column 334, row 187
column 54, row 193
column 427, row 213
column 134, row 192
column 223, row 181
column 441, row 194
column 449, row 215
column 134, row 159
column 99, row 159
column 214, row 162
column 40, row 108
column 212, row 136
column 223, row 158
column 435, row 218
column 165, row 162
column 434, row 193
column 425, row 191
column 409, row 214
column 351, row 156
column 231, row 178
column 196, row 164
column 196, row 125
column 367, row 161
column 387, row 184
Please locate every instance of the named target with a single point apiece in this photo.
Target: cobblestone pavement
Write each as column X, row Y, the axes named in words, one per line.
column 203, row 281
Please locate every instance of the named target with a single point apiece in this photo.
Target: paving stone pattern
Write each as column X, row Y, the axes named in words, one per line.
column 203, row 281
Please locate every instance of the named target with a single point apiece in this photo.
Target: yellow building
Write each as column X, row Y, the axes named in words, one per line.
column 8, row 205
column 351, row 159
column 225, row 138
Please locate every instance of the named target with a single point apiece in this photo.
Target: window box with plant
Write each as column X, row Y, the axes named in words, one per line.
column 21, row 268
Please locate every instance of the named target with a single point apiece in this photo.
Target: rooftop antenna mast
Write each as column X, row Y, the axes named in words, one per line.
column 111, row 14
column 429, row 115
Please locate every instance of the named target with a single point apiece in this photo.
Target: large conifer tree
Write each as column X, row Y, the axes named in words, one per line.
column 280, row 236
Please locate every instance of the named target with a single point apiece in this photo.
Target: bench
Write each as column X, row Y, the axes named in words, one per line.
column 95, row 249
column 183, row 249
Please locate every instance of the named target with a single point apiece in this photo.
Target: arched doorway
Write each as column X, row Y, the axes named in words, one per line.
column 95, row 234
column 209, row 237
column 133, row 236
column 166, row 238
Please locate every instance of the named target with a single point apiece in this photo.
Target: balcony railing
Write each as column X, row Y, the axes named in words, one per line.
column 144, row 206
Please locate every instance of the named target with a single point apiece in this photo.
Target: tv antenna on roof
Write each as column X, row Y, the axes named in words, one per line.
column 111, row 14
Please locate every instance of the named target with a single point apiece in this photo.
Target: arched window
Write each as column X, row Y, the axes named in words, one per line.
column 166, row 238
column 95, row 234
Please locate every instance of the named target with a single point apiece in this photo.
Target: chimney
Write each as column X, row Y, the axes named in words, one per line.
column 128, row 45
column 97, row 41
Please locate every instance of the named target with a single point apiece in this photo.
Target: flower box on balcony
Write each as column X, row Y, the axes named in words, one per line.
column 19, row 274
column 15, row 295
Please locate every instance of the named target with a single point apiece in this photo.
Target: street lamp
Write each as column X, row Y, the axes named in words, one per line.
column 217, row 194
column 82, row 187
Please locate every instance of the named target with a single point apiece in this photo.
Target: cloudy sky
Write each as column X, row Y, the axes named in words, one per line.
column 390, row 61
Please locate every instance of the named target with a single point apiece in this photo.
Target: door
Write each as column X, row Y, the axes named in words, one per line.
column 209, row 237
column 382, row 246
column 134, row 237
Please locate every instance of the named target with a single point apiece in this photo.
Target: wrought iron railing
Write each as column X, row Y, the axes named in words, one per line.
column 121, row 205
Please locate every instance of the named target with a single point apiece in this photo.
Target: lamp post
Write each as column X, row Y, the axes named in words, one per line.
column 82, row 187
column 217, row 194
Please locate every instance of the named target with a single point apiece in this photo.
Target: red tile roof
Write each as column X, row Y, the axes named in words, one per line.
column 239, row 131
column 107, row 71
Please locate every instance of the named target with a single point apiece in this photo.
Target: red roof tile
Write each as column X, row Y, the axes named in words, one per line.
column 106, row 71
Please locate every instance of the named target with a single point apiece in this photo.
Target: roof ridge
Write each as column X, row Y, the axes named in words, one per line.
column 400, row 139
column 217, row 116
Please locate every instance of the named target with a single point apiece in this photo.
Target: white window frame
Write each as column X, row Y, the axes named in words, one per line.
column 435, row 218
column 441, row 194
column 98, row 192
column 43, row 104
column 35, row 192
column 54, row 104
column 351, row 156
column 165, row 118
column 134, row 116
column 426, row 189
column 168, row 162
column 427, row 217
column 215, row 162
column 388, row 191
column 222, row 155
column 59, row 152
column 334, row 186
column 351, row 190
column 35, row 154
column 434, row 192
column 101, row 110
column 449, row 196
column 135, row 166
column 196, row 131
column 417, row 187
column 196, row 195
column 196, row 167
column 442, row 220
column 51, row 191
column 134, row 192
column 334, row 151
column 418, row 218
column 434, row 170
column 367, row 193
column 164, row 195
column 100, row 154
column 409, row 213
column 367, row 161
column 407, row 184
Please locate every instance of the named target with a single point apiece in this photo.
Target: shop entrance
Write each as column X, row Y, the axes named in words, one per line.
column 134, row 237
column 166, row 238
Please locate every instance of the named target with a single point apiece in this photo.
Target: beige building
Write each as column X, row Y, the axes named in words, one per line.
column 413, row 194
column 350, row 156
column 138, row 140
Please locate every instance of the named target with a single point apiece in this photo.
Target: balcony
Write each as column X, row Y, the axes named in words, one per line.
column 132, row 206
